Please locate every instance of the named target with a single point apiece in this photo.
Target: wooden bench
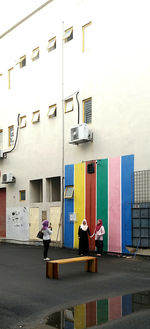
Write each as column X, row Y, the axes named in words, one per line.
column 52, row 266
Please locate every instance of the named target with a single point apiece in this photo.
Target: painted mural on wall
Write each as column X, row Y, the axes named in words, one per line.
column 17, row 226
column 103, row 194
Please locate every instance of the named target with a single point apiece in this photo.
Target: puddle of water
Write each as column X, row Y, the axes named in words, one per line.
column 99, row 311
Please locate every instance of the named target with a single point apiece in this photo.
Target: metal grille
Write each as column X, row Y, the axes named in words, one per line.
column 141, row 183
column 88, row 111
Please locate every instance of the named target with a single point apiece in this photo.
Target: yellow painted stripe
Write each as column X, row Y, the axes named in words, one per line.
column 80, row 316
column 79, row 198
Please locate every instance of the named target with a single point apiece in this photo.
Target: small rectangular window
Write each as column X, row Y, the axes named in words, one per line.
column 52, row 111
column 51, row 44
column 87, row 110
column 86, row 36
column 35, row 54
column 22, row 195
column 9, row 77
column 36, row 116
column 1, row 139
column 68, row 35
column 22, row 61
column 69, row 192
column 23, row 122
column 10, row 135
column 69, row 105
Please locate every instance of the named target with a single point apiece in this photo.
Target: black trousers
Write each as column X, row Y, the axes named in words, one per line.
column 99, row 245
column 46, row 247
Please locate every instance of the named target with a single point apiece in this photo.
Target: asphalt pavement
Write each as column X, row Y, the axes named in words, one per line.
column 27, row 297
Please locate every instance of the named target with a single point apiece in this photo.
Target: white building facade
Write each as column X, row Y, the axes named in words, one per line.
column 67, row 64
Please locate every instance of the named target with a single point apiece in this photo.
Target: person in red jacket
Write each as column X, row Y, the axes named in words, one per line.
column 99, row 232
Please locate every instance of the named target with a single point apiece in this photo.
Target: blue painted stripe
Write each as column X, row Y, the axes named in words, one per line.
column 69, row 208
column 127, row 169
column 126, row 304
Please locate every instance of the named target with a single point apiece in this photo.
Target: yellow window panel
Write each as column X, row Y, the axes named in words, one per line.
column 86, row 36
column 68, row 35
column 23, row 122
column 52, row 111
column 51, row 44
column 69, row 105
column 36, row 117
column 22, row 61
column 9, row 77
column 35, row 54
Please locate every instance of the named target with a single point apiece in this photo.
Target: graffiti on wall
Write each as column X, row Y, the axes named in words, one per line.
column 17, row 223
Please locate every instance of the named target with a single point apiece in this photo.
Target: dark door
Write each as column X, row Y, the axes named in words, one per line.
column 3, row 213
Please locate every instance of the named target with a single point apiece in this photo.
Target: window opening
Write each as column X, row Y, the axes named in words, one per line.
column 69, row 192
column 23, row 122
column 53, row 189
column 68, row 35
column 35, row 54
column 36, row 191
column 36, row 117
column 10, row 135
column 51, row 44
column 87, row 110
column 52, row 111
column 22, row 195
column 69, row 105
column 9, row 77
column 22, row 61
column 1, row 139
column 86, row 36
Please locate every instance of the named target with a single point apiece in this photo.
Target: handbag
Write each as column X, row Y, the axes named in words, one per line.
column 40, row 235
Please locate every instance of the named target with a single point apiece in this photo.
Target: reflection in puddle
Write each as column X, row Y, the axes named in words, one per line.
column 100, row 311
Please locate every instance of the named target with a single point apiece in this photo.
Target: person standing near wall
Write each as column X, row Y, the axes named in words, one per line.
column 47, row 231
column 99, row 232
column 83, row 233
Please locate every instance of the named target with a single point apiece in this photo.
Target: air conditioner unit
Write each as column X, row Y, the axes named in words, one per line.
column 8, row 178
column 80, row 134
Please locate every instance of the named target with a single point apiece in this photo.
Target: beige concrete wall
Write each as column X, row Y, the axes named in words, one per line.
column 114, row 71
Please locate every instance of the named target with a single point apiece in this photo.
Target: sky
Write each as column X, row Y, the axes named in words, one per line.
column 12, row 11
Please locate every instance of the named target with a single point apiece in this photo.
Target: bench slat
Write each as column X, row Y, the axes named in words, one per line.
column 71, row 260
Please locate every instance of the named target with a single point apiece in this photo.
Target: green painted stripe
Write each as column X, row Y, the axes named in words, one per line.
column 102, row 196
column 102, row 311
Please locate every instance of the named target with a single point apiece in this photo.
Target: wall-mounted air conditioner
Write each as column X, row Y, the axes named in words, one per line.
column 8, row 178
column 80, row 134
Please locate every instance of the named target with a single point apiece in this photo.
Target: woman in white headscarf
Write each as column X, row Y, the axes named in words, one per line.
column 83, row 233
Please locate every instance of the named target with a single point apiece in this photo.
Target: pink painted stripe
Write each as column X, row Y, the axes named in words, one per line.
column 114, row 238
column 115, row 308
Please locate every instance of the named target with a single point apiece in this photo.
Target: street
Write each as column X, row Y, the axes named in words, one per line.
column 28, row 297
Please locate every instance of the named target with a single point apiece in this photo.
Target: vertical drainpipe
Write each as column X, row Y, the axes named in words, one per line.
column 62, row 173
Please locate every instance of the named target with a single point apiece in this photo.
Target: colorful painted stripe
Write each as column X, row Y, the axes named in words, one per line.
column 102, row 196
column 69, row 208
column 114, row 240
column 79, row 198
column 127, row 168
column 90, row 202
